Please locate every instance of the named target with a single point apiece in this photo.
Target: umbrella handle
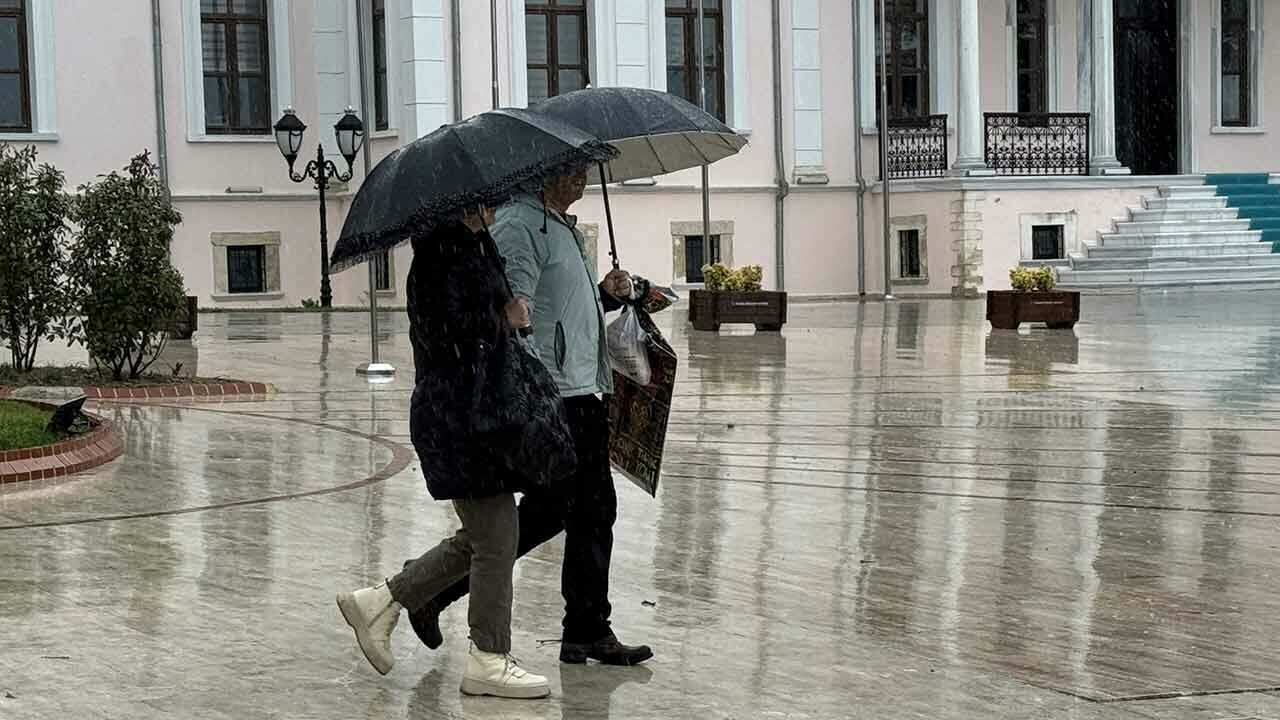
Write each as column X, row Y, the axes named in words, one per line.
column 608, row 215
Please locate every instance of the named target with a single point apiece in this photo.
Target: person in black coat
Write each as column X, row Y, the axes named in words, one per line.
column 486, row 421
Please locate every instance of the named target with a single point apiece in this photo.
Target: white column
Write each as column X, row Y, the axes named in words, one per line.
column 333, row 83
column 633, row 50
column 806, row 75
column 969, row 157
column 1102, row 124
column 424, row 76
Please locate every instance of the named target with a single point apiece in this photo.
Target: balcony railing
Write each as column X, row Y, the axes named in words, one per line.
column 917, row 147
column 1038, row 143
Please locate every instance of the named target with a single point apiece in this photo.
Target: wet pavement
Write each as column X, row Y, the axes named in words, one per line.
column 884, row 512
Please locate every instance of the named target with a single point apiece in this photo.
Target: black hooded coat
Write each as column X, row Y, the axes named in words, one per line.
column 485, row 417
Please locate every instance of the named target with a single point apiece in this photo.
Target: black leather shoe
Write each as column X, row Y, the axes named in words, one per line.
column 426, row 624
column 607, row 650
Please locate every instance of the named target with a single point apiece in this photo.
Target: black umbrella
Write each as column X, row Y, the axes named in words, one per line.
column 655, row 133
column 480, row 161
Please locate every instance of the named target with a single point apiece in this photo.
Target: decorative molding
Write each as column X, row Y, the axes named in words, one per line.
column 1070, row 222
column 896, row 226
column 680, row 229
column 270, row 240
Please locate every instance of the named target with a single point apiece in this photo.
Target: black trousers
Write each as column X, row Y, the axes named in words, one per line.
column 585, row 509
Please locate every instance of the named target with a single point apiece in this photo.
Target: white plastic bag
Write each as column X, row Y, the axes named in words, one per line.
column 629, row 347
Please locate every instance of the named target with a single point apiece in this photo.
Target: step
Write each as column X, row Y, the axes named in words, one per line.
column 1174, row 275
column 1177, row 238
column 1258, row 211
column 1270, row 223
column 1237, row 178
column 1183, row 203
column 1250, row 189
column 1234, row 284
column 1243, row 199
column 1188, row 191
column 1177, row 251
column 1265, row 258
column 1189, row 214
column 1125, row 227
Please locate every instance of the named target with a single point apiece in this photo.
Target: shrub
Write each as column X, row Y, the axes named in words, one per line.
column 126, row 288
column 719, row 278
column 1028, row 280
column 33, row 211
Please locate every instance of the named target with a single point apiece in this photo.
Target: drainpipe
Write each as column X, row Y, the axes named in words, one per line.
column 779, row 211
column 157, row 63
column 455, row 16
column 857, row 151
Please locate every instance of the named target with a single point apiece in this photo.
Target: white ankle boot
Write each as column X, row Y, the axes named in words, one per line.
column 373, row 614
column 500, row 676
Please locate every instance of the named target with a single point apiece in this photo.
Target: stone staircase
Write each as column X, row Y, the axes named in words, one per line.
column 1222, row 232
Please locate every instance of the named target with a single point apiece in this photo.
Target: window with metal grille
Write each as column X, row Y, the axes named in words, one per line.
column 1033, row 56
column 682, row 52
column 908, row 24
column 15, row 76
column 1236, row 61
column 237, row 77
column 555, row 34
column 908, row 254
column 697, row 254
column 381, row 115
column 246, row 269
column 382, row 271
column 1046, row 242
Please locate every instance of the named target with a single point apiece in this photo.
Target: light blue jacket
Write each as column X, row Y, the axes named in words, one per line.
column 551, row 271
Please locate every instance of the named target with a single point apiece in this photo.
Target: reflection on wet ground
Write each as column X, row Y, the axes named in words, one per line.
column 886, row 511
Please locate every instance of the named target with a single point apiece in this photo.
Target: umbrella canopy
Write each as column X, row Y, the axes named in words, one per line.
column 480, row 161
column 655, row 132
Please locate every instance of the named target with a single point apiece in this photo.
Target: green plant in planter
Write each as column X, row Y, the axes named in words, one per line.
column 1028, row 280
column 716, row 277
column 719, row 278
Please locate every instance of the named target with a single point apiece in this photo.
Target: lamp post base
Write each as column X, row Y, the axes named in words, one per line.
column 377, row 372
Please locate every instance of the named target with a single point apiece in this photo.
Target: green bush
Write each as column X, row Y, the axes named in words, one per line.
column 1029, row 280
column 33, row 211
column 126, row 288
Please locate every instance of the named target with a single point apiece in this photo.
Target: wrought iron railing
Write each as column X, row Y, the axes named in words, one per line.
column 917, row 147
column 1038, row 143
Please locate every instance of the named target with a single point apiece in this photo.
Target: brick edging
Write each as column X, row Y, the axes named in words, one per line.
column 100, row 446
column 155, row 392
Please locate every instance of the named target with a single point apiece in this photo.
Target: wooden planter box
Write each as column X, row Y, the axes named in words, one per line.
column 1007, row 309
column 185, row 325
column 709, row 310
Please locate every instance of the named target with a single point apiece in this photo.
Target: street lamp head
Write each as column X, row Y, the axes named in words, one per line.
column 350, row 133
column 289, row 131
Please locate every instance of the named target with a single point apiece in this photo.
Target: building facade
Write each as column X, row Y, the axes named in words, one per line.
column 1019, row 129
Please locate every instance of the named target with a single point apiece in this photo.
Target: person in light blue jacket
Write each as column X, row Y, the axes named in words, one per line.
column 556, row 293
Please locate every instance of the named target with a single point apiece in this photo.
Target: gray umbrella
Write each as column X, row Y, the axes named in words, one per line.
column 655, row 133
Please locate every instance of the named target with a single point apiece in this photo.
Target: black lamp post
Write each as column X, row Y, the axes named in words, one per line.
column 350, row 133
